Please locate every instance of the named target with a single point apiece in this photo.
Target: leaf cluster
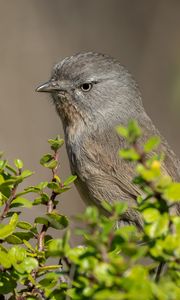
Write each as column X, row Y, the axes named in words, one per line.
column 113, row 262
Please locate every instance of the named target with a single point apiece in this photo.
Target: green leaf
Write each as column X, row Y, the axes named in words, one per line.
column 10, row 168
column 56, row 144
column 163, row 182
column 46, row 158
column 30, row 264
column 70, row 179
column 48, row 161
column 18, row 163
column 42, row 185
column 4, row 259
column 3, row 164
column 37, row 201
column 24, row 225
column 55, row 247
column 159, row 227
column 123, row 131
column 1, row 179
column 26, row 173
column 41, row 220
column 55, row 187
column 24, row 235
column 133, row 128
column 13, row 239
column 172, row 192
column 20, row 201
column 120, row 207
column 27, row 191
column 91, row 213
column 7, row 283
column 50, row 268
column 151, row 215
column 131, row 132
column 49, row 281
column 151, row 144
column 14, row 220
column 8, row 182
column 28, row 245
column 149, row 174
column 17, row 254
column 129, row 154
column 6, row 230
column 57, row 221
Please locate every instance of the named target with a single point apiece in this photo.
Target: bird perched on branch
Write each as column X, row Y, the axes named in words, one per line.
column 93, row 93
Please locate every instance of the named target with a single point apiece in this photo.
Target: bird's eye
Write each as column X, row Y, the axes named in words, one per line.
column 86, row 87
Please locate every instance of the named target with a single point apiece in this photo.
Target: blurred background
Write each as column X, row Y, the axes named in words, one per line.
column 144, row 35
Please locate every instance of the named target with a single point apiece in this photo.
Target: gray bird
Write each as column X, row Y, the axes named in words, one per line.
column 93, row 93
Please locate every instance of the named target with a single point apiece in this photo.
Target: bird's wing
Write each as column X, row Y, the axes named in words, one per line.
column 109, row 176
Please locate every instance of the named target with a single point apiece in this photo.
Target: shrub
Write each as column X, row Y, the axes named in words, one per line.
column 110, row 264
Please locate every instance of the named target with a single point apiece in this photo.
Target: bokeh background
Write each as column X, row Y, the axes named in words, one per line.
column 35, row 34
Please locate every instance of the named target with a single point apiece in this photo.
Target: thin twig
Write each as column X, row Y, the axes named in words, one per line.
column 50, row 206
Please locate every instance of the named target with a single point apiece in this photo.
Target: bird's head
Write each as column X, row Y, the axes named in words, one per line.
column 89, row 87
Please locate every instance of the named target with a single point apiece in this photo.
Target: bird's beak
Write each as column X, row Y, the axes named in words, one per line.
column 47, row 87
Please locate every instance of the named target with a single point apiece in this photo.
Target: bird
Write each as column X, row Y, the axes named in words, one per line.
column 93, row 93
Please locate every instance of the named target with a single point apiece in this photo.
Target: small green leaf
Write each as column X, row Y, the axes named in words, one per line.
column 13, row 239
column 120, row 207
column 20, row 201
column 70, row 179
column 8, row 182
column 91, row 213
column 46, row 158
column 18, row 163
column 41, row 220
column 30, row 264
column 159, row 227
column 131, row 132
column 26, row 173
column 123, row 131
column 24, row 225
column 4, row 259
column 55, row 187
column 148, row 174
column 6, row 230
column 57, row 221
column 55, row 247
column 8, row 167
column 28, row 245
column 50, row 268
column 1, row 179
column 24, row 235
column 129, row 154
column 17, row 254
column 37, row 201
column 172, row 192
column 56, row 144
column 151, row 215
column 48, row 161
column 134, row 127
column 49, row 281
column 7, row 284
column 42, row 185
column 3, row 164
column 151, row 144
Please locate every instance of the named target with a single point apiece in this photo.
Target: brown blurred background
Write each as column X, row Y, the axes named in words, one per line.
column 143, row 34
